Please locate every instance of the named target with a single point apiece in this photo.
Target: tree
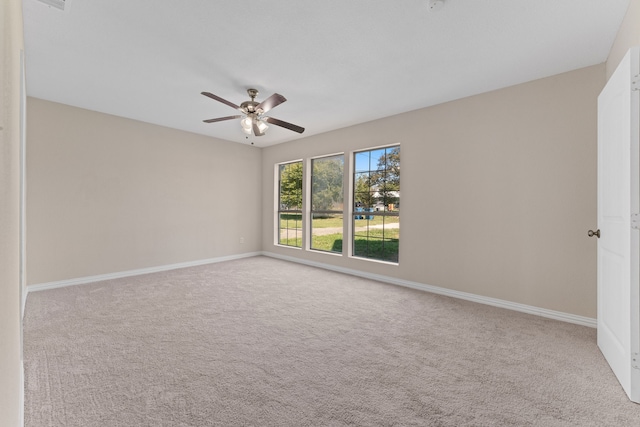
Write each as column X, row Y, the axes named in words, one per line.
column 386, row 178
column 364, row 194
column 390, row 163
column 327, row 184
column 291, row 186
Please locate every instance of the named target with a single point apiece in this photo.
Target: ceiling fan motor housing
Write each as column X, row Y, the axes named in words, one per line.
column 249, row 106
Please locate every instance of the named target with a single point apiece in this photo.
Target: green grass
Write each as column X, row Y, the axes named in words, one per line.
column 292, row 222
column 333, row 222
column 374, row 243
column 375, row 248
column 377, row 220
column 379, row 233
column 290, row 219
column 385, row 250
column 377, row 243
column 297, row 242
column 330, row 243
column 330, row 222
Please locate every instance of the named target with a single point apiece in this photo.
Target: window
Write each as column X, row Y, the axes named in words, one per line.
column 374, row 231
column 376, row 198
column 327, row 203
column 290, row 204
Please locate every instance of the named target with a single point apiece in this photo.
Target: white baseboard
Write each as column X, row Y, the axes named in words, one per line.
column 523, row 308
column 137, row 272
column 23, row 303
column 21, row 413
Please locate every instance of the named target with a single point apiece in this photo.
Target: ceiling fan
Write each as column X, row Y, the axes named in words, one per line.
column 253, row 118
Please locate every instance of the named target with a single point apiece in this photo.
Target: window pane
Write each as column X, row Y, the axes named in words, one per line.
column 326, row 232
column 326, row 180
column 362, row 161
column 376, row 184
column 377, row 159
column 290, row 230
column 291, row 186
column 364, row 195
column 390, row 201
column 377, row 237
column 290, row 204
column 327, row 203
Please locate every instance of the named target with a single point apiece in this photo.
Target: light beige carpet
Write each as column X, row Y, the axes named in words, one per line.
column 263, row 342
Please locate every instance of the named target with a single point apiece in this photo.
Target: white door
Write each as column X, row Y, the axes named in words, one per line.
column 618, row 222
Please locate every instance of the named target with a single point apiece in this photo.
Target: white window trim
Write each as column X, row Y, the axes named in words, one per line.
column 307, row 202
column 347, row 212
column 351, row 172
column 276, row 204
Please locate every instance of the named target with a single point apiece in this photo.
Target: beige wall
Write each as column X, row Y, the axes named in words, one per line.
column 498, row 192
column 107, row 194
column 628, row 36
column 10, row 172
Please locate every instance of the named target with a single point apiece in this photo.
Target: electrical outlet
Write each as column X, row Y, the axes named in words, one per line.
column 241, row 240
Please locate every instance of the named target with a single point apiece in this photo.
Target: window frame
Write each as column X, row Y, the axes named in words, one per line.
column 311, row 211
column 304, row 212
column 384, row 213
column 279, row 209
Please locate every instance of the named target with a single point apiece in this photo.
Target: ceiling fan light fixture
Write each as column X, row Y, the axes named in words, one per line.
column 262, row 126
column 246, row 124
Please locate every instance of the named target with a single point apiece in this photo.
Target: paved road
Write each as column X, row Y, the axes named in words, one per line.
column 334, row 230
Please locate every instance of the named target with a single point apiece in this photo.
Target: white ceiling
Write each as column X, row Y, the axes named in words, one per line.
column 337, row 62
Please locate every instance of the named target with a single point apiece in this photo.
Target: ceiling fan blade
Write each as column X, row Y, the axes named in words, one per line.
column 256, row 129
column 271, row 102
column 283, row 124
column 224, row 101
column 220, row 119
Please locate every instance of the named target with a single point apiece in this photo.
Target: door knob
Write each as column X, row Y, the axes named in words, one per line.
column 594, row 233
